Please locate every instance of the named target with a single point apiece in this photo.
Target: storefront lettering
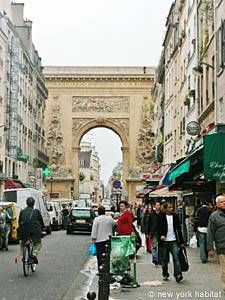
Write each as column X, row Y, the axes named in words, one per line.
column 218, row 170
column 216, row 165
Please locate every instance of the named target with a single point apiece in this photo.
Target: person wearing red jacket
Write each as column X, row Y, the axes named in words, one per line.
column 125, row 221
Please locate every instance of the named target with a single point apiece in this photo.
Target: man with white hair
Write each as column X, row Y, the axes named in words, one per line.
column 216, row 233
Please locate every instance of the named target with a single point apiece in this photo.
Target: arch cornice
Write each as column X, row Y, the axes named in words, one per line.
column 100, row 122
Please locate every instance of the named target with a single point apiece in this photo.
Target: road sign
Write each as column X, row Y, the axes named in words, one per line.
column 117, row 184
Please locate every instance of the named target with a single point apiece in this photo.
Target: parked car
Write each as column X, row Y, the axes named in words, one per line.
column 83, row 203
column 80, row 219
column 20, row 196
column 54, row 210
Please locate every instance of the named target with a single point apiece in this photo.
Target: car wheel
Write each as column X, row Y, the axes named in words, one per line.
column 49, row 229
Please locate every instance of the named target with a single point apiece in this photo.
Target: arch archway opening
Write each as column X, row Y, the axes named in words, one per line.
column 100, row 164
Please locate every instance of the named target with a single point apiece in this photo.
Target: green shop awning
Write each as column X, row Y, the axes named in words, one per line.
column 182, row 168
column 214, row 156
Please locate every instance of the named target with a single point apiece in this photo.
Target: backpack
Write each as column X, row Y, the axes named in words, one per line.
column 24, row 230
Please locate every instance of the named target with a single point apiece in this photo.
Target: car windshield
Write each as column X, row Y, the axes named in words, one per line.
column 10, row 196
column 81, row 213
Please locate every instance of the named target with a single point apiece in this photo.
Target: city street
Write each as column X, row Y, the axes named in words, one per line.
column 57, row 275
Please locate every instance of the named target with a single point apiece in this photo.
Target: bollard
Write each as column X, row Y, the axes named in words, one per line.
column 103, row 289
column 104, row 275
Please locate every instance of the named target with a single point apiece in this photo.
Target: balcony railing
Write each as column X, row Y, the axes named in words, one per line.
column 41, row 156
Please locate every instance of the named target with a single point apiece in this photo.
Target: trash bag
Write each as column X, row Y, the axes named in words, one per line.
column 193, row 242
column 183, row 259
column 92, row 250
column 122, row 248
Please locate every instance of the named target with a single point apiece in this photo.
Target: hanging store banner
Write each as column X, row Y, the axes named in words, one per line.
column 38, row 179
column 214, row 156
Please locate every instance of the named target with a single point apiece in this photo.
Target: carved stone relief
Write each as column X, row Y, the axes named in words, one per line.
column 79, row 123
column 100, row 104
column 145, row 138
column 134, row 172
column 55, row 145
column 123, row 123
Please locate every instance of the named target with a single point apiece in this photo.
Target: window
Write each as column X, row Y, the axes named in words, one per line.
column 220, row 43
column 223, row 43
column 221, row 110
column 82, row 162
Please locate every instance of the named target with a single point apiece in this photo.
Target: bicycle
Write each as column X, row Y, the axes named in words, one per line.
column 28, row 263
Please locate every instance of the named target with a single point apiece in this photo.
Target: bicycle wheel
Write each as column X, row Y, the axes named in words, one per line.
column 26, row 260
column 33, row 265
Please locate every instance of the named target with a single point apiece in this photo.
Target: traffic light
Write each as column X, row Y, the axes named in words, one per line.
column 47, row 172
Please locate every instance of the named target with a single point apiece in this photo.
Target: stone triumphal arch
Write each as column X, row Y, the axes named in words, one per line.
column 83, row 98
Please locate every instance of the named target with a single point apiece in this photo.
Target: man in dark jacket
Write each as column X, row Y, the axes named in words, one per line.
column 201, row 222
column 170, row 239
column 181, row 212
column 216, row 233
column 31, row 224
column 153, row 231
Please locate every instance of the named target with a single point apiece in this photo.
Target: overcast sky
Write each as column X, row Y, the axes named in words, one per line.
column 99, row 33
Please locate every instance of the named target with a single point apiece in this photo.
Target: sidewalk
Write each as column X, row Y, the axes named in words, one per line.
column 202, row 281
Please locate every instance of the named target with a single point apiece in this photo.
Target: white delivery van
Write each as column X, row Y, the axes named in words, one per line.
column 54, row 210
column 20, row 196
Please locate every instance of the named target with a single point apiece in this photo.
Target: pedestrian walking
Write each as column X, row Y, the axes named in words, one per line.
column 125, row 221
column 201, row 222
column 102, row 229
column 139, row 215
column 170, row 239
column 4, row 228
column 145, row 227
column 153, row 227
column 65, row 213
column 216, row 233
column 181, row 212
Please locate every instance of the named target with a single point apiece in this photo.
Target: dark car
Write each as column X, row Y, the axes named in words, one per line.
column 80, row 219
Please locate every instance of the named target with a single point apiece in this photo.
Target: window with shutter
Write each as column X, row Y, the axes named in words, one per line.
column 223, row 44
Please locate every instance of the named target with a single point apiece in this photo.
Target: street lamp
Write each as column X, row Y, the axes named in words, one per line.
column 198, row 70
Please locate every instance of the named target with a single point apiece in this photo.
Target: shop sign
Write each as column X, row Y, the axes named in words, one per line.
column 193, row 128
column 216, row 170
column 214, row 156
column 38, row 178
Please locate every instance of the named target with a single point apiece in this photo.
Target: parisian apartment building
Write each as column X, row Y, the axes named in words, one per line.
column 22, row 100
column 189, row 91
column 90, row 183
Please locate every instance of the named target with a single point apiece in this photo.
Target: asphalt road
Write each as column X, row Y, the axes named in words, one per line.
column 57, row 276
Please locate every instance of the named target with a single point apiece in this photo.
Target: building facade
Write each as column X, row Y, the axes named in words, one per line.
column 219, row 7
column 23, row 99
column 90, row 172
column 193, row 85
